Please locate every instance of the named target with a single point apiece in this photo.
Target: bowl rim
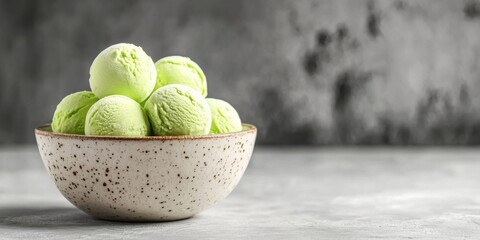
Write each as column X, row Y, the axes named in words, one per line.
column 41, row 130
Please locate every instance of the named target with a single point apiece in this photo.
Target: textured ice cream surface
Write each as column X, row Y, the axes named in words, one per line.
column 224, row 117
column 70, row 114
column 117, row 115
column 180, row 70
column 178, row 110
column 123, row 69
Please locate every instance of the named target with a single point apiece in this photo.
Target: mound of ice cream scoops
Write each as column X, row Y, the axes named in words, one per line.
column 133, row 96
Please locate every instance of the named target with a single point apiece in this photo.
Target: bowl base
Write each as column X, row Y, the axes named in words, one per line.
column 141, row 220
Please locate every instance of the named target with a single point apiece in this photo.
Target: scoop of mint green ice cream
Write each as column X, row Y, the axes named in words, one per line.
column 123, row 69
column 224, row 117
column 180, row 70
column 70, row 114
column 117, row 115
column 178, row 110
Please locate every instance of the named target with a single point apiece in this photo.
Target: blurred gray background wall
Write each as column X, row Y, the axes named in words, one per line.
column 303, row 71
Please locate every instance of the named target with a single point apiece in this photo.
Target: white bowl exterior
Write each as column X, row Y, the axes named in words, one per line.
column 146, row 180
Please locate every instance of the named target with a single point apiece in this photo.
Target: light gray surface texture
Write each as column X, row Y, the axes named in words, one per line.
column 303, row 193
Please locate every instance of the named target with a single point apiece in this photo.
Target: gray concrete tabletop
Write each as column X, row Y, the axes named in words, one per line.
column 289, row 193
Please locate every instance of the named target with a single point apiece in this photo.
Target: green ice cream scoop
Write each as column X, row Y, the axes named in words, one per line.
column 180, row 70
column 123, row 69
column 116, row 115
column 224, row 117
column 69, row 117
column 178, row 110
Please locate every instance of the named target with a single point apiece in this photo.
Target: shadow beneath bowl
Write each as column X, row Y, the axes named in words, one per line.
column 52, row 217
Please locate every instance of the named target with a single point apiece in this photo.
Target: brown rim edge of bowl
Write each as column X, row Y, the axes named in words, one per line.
column 40, row 131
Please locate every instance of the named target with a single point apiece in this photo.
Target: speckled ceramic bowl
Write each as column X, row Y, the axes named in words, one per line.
column 145, row 178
